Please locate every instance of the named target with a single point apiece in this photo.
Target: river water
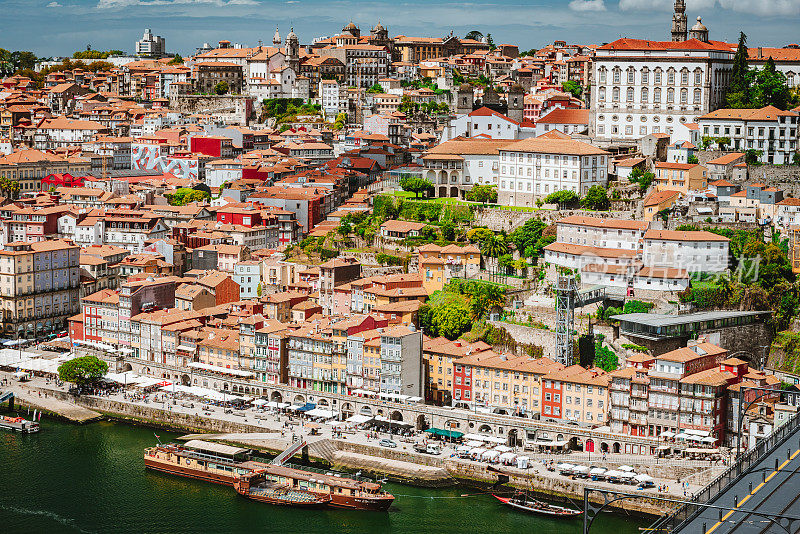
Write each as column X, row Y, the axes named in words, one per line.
column 91, row 479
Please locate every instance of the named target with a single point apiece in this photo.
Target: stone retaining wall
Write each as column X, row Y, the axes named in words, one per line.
column 508, row 220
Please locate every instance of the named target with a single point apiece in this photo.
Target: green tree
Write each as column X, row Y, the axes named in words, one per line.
column 221, row 88
column 448, row 231
column 415, row 184
column 345, row 228
column 526, row 237
column 482, row 193
column 479, row 235
column 596, row 198
column 605, row 358
column 490, row 41
column 259, row 290
column 375, row 89
column 451, row 317
column 186, row 195
column 83, row 370
column 475, row 35
column 693, row 159
column 176, row 60
column 753, row 156
column 740, row 69
column 562, row 198
column 572, row 87
column 770, row 87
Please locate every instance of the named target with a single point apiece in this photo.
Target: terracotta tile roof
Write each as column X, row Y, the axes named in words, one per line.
column 657, row 197
column 555, row 146
column 566, row 116
column 579, row 250
column 627, row 43
column 768, row 113
column 674, row 235
column 460, row 145
column 726, row 158
column 598, row 222
column 686, row 354
column 676, row 166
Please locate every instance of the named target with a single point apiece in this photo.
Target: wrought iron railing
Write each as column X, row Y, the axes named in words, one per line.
column 686, row 513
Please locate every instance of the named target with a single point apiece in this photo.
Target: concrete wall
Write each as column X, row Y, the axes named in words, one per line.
column 229, row 108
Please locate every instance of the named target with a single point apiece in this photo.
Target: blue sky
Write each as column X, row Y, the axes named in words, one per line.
column 59, row 27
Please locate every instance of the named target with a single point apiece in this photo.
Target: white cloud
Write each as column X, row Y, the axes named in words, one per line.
column 763, row 7
column 110, row 4
column 758, row 7
column 54, row 4
column 664, row 5
column 587, row 5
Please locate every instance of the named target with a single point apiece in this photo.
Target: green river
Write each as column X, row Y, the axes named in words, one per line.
column 90, row 479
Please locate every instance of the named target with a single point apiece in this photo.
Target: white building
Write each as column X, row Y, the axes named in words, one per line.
column 487, row 123
column 329, row 98
column 151, row 45
column 643, row 87
column 769, row 130
column 696, row 252
column 597, row 232
column 248, row 275
column 534, row 168
column 456, row 165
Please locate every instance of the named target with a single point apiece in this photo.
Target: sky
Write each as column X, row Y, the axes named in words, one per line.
column 60, row 27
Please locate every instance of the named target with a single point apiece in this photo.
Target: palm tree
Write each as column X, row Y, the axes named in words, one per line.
column 494, row 246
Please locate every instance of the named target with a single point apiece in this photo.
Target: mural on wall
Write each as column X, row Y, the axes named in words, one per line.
column 145, row 156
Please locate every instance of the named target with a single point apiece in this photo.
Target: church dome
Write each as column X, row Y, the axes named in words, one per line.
column 699, row 27
column 350, row 27
column 291, row 36
column 378, row 28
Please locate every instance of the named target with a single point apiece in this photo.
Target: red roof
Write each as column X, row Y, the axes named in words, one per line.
column 627, row 43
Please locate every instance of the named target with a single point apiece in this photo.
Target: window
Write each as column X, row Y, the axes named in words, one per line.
column 629, row 95
column 601, row 94
column 645, row 76
column 645, row 94
column 697, row 96
column 616, row 75
column 698, row 77
column 615, row 94
column 670, row 95
column 685, row 77
column 684, row 96
column 631, row 76
column 657, row 77
column 657, row 95
column 671, row 77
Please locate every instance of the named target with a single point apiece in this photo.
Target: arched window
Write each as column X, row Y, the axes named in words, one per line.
column 645, row 94
column 684, row 96
column 602, row 75
column 616, row 74
column 698, row 77
column 615, row 94
column 629, row 95
column 645, row 76
column 697, row 96
column 657, row 77
column 684, row 76
column 671, row 77
column 601, row 94
column 631, row 76
column 670, row 95
column 657, row 95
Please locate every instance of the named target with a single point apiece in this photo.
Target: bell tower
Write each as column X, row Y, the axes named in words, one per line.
column 679, row 24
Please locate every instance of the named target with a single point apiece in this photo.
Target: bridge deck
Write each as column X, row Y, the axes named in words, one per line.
column 763, row 488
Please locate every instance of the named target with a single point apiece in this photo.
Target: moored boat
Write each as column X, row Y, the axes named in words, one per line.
column 255, row 486
column 19, row 424
column 222, row 464
column 520, row 501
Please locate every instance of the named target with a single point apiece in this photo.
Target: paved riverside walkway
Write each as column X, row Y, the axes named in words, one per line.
column 278, row 430
column 68, row 410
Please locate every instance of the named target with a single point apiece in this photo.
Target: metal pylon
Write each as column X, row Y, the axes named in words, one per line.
column 565, row 318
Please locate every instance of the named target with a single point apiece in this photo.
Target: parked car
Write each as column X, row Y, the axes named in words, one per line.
column 387, row 443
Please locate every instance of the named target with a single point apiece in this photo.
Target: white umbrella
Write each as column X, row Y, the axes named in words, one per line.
column 626, row 468
column 643, row 478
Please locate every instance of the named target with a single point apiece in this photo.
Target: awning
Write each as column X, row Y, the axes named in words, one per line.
column 306, row 408
column 322, row 413
column 358, row 419
column 449, row 434
column 667, row 434
column 217, row 369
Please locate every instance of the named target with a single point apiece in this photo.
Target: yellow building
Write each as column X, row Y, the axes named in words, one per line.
column 657, row 201
column 438, row 265
column 683, row 177
column 438, row 355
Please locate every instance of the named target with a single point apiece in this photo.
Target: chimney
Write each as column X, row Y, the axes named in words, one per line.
column 760, row 53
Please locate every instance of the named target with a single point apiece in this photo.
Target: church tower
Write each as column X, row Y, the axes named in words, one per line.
column 293, row 51
column 276, row 39
column 679, row 24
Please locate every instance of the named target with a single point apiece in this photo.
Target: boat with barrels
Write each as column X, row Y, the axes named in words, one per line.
column 223, row 464
column 255, row 486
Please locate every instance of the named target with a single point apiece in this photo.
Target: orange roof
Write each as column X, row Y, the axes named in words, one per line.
column 768, row 113
column 674, row 235
column 657, row 197
column 598, row 222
